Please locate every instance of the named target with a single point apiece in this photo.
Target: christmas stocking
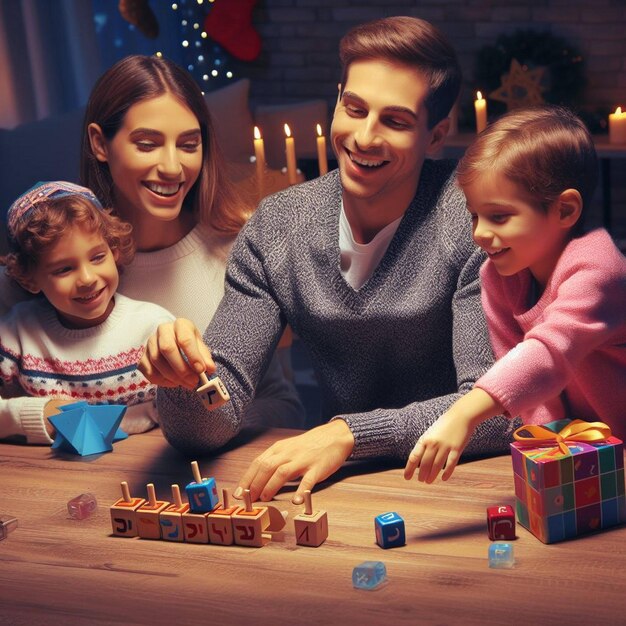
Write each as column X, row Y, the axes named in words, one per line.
column 229, row 23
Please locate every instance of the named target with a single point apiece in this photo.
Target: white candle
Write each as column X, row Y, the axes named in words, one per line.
column 322, row 159
column 290, row 151
column 480, row 106
column 617, row 126
column 259, row 153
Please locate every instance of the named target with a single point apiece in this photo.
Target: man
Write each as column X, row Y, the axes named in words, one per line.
column 373, row 267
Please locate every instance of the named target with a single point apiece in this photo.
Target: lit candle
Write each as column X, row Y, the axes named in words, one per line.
column 617, row 126
column 259, row 153
column 480, row 105
column 322, row 159
column 290, row 150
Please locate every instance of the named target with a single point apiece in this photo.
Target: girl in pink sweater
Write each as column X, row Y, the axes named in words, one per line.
column 554, row 298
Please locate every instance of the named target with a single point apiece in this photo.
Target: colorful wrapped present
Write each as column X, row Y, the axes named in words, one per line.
column 569, row 479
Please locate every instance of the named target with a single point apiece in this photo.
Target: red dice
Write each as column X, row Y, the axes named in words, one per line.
column 501, row 522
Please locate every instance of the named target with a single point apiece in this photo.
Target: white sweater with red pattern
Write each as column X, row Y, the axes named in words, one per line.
column 40, row 359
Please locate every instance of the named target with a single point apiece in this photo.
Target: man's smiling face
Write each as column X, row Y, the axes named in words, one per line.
column 380, row 133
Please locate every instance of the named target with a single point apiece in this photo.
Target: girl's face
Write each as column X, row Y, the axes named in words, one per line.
column 79, row 277
column 155, row 158
column 514, row 234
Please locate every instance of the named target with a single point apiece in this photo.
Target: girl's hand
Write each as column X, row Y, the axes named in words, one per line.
column 442, row 444
column 175, row 355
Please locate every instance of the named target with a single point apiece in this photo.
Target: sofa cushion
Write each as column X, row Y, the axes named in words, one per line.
column 232, row 120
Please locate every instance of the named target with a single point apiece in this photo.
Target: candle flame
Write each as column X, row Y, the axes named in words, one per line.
column 319, row 130
column 287, row 130
column 479, row 96
column 257, row 133
column 618, row 111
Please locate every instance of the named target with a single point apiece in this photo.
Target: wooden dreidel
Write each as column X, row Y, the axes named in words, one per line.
column 220, row 522
column 171, row 519
column 311, row 527
column 123, row 513
column 212, row 391
column 202, row 492
column 278, row 519
column 148, row 526
column 249, row 523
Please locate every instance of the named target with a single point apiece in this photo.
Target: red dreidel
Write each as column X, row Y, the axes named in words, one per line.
column 249, row 524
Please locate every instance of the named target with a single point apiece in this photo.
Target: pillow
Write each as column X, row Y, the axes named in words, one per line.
column 302, row 117
column 232, row 120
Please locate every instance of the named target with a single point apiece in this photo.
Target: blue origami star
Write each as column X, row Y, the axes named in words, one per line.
column 84, row 428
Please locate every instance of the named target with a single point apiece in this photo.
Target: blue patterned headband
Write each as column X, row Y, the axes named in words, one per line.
column 43, row 192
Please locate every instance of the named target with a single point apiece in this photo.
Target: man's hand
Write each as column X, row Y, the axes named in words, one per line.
column 52, row 408
column 175, row 355
column 314, row 455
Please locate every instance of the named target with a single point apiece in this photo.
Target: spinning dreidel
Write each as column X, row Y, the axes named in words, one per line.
column 171, row 519
column 123, row 514
column 202, row 492
column 249, row 523
column 148, row 524
column 220, row 523
column 311, row 527
column 212, row 391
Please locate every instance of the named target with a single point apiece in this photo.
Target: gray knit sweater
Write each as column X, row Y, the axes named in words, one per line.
column 390, row 357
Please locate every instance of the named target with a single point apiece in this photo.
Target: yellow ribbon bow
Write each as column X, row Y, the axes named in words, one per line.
column 576, row 430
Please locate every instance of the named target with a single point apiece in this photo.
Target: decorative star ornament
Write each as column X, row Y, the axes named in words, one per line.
column 84, row 428
column 521, row 87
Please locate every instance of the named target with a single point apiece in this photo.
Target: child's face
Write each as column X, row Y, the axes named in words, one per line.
column 155, row 158
column 79, row 277
column 514, row 233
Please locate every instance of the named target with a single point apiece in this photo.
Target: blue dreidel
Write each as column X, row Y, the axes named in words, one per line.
column 171, row 519
column 501, row 555
column 82, row 506
column 369, row 575
column 8, row 523
column 389, row 530
column 202, row 493
column 212, row 391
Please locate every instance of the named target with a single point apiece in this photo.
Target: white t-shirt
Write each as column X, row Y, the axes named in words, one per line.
column 359, row 260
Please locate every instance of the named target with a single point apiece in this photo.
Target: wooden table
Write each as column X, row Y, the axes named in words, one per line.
column 56, row 570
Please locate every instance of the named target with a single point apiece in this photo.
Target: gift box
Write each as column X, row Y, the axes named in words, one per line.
column 569, row 479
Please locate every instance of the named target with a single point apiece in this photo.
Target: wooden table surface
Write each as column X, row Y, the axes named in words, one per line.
column 56, row 570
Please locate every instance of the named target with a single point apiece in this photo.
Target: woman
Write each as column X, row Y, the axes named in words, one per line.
column 149, row 151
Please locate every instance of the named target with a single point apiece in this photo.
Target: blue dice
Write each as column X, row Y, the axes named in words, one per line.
column 389, row 530
column 202, row 495
column 369, row 575
column 501, row 555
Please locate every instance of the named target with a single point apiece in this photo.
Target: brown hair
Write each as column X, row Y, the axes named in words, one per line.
column 414, row 42
column 136, row 78
column 544, row 150
column 49, row 220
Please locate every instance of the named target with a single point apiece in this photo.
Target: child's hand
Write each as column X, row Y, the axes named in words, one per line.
column 440, row 446
column 176, row 355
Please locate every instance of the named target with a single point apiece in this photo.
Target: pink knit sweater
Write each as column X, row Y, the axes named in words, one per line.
column 566, row 355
